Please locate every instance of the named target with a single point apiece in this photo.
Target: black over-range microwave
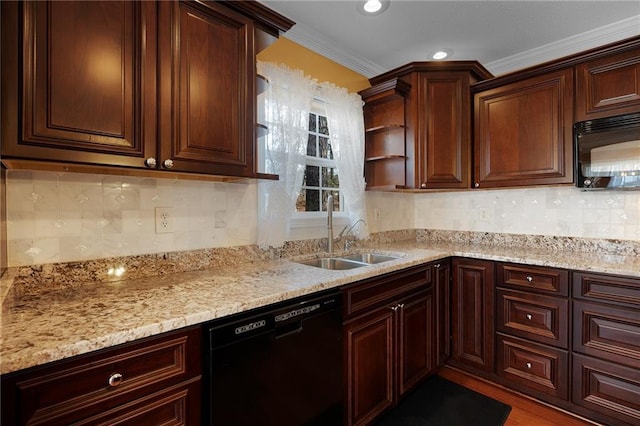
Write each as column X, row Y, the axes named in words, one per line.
column 607, row 152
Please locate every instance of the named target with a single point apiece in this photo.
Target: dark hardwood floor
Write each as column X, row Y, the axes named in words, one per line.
column 524, row 411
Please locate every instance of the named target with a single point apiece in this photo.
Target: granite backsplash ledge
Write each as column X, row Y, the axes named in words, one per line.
column 36, row 279
column 542, row 242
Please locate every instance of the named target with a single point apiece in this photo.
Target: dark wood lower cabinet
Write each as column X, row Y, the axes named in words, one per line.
column 389, row 341
column 607, row 388
column 151, row 381
column 473, row 300
column 370, row 356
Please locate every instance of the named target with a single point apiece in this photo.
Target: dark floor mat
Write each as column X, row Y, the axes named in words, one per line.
column 439, row 402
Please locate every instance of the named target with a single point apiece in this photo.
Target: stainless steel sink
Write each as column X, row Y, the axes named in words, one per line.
column 370, row 258
column 349, row 261
column 333, row 263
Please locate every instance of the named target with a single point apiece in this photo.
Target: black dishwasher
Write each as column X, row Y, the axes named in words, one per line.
column 280, row 365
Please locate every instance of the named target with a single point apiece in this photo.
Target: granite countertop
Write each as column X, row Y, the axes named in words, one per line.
column 40, row 328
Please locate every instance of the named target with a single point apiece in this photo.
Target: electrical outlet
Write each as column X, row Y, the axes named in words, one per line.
column 164, row 220
column 376, row 214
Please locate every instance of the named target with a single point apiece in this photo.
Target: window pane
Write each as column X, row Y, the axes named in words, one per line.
column 322, row 125
column 311, row 145
column 312, row 200
column 312, row 176
column 336, row 200
column 312, row 122
column 330, row 177
column 325, row 148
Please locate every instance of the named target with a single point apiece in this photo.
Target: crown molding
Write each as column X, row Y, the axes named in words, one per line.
column 611, row 33
column 312, row 40
column 601, row 36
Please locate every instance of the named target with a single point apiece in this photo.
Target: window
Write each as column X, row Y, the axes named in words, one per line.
column 321, row 174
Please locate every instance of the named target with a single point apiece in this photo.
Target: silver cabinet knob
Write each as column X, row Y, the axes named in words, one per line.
column 477, row 185
column 394, row 308
column 167, row 164
column 529, row 317
column 400, row 305
column 528, row 365
column 529, row 278
column 150, row 162
column 437, row 266
column 423, row 185
column 588, row 182
column 115, row 379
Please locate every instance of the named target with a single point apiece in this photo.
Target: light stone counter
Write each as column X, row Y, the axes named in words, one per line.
column 52, row 325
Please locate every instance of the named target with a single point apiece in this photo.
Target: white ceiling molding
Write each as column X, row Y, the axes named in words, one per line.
column 616, row 31
column 311, row 39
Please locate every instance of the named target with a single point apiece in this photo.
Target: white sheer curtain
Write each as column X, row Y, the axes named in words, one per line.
column 288, row 101
column 287, row 104
column 346, row 130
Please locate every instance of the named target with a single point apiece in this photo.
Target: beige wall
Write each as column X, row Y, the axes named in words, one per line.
column 286, row 52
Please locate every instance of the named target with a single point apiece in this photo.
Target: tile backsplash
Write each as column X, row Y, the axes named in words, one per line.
column 61, row 217
column 64, row 217
column 556, row 211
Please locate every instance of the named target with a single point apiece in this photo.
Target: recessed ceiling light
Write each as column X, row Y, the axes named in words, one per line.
column 440, row 54
column 372, row 7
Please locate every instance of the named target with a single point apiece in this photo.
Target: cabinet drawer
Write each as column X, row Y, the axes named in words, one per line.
column 607, row 288
column 377, row 291
column 608, row 332
column 535, row 317
column 533, row 278
column 531, row 366
column 72, row 390
column 607, row 388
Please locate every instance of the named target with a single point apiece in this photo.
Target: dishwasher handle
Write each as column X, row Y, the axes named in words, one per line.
column 289, row 329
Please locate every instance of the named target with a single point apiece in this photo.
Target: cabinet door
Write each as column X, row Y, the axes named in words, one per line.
column 370, row 361
column 473, row 313
column 415, row 340
column 442, row 294
column 443, row 151
column 207, row 89
column 88, row 77
column 524, row 131
column 608, row 86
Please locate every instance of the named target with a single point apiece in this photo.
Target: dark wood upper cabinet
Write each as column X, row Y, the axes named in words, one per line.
column 88, row 79
column 147, row 86
column 608, row 86
column 207, row 88
column 436, row 126
column 524, row 132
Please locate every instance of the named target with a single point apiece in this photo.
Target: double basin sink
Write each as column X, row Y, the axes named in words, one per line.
column 350, row 261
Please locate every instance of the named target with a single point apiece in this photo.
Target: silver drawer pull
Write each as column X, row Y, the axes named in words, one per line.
column 528, row 365
column 115, row 379
column 529, row 317
column 529, row 278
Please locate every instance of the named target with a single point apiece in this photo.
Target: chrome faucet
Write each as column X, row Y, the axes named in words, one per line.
column 348, row 229
column 330, row 224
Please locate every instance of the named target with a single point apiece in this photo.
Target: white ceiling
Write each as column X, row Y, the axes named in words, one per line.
column 502, row 35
